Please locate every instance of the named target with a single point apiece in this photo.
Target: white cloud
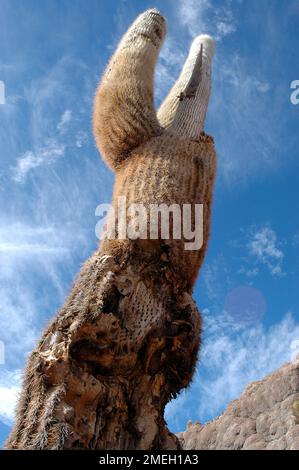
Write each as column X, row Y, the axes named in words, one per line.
column 34, row 261
column 9, row 388
column 46, row 151
column 46, row 155
column 249, row 272
column 237, row 360
column 33, row 249
column 203, row 16
column 20, row 240
column 263, row 87
column 81, row 138
column 295, row 240
column 47, row 130
column 224, row 28
column 192, row 14
column 64, row 121
column 46, row 94
column 264, row 247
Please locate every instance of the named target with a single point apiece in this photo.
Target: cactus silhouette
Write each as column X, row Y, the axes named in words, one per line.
column 127, row 338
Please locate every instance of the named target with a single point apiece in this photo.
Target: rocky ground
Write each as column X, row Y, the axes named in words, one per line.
column 266, row 416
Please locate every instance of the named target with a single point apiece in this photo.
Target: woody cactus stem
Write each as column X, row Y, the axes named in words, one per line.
column 127, row 338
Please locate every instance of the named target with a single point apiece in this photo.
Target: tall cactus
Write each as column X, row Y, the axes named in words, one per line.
column 127, row 338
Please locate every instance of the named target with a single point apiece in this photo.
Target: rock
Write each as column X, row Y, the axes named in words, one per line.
column 265, row 417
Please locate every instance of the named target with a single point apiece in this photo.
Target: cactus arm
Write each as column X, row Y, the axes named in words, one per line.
column 124, row 114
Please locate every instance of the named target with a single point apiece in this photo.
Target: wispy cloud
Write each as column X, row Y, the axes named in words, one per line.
column 9, row 388
column 30, row 160
column 234, row 361
column 32, row 258
column 235, row 74
column 51, row 132
column 204, row 16
column 295, row 240
column 19, row 239
column 264, row 247
column 64, row 121
column 81, row 138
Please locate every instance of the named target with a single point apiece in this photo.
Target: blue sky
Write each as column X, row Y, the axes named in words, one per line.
column 51, row 179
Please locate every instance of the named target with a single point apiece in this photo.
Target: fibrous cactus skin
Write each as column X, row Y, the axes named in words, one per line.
column 127, row 338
